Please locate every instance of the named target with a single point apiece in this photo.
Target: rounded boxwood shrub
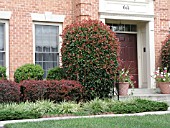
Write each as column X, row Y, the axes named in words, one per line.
column 9, row 91
column 28, row 72
column 55, row 73
column 90, row 53
column 166, row 53
column 2, row 72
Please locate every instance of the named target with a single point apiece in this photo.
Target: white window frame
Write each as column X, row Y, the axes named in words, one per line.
column 6, row 45
column 60, row 39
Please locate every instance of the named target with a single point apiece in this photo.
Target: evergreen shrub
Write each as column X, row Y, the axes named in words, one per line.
column 55, row 73
column 9, row 91
column 2, row 72
column 28, row 72
column 63, row 90
column 90, row 53
column 166, row 53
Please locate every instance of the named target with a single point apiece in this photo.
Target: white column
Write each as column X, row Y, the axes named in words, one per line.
column 151, row 54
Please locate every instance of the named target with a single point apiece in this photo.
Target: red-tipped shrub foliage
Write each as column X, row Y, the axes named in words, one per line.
column 33, row 90
column 165, row 53
column 64, row 90
column 9, row 91
column 90, row 53
column 54, row 90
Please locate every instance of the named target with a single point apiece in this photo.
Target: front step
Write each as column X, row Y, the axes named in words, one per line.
column 143, row 91
column 155, row 97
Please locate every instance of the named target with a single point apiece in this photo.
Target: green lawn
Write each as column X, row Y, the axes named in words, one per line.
column 150, row 121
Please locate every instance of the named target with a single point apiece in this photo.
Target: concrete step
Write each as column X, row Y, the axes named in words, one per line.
column 154, row 97
column 143, row 91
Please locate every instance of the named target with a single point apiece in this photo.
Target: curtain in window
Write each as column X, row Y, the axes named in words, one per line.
column 46, row 41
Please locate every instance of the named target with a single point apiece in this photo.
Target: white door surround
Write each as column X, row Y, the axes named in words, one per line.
column 143, row 17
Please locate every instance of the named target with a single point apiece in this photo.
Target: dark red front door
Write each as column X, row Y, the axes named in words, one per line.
column 128, row 54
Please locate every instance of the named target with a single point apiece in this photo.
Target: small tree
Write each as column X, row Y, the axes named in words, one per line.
column 90, row 55
column 165, row 53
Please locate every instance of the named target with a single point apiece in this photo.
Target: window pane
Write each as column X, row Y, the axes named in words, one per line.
column 1, row 37
column 38, row 56
column 2, row 58
column 133, row 28
column 127, row 28
column 46, row 41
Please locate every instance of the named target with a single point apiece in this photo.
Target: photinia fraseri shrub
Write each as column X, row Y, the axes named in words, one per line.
column 90, row 54
column 9, row 91
column 165, row 53
column 64, row 90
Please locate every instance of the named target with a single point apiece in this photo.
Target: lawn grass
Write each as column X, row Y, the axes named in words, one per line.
column 149, row 121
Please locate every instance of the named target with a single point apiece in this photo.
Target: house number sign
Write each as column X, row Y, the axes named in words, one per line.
column 126, row 7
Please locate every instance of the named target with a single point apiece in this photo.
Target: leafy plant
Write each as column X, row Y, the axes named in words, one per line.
column 165, row 53
column 124, row 76
column 9, row 91
column 68, row 107
column 14, row 115
column 33, row 90
column 2, row 72
column 96, row 106
column 56, row 73
column 90, row 53
column 64, row 90
column 28, row 72
column 162, row 75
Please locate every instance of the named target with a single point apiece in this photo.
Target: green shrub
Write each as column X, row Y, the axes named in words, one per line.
column 28, row 72
column 90, row 55
column 14, row 115
column 9, row 91
column 96, row 106
column 165, row 55
column 68, row 108
column 56, row 73
column 2, row 72
column 136, row 106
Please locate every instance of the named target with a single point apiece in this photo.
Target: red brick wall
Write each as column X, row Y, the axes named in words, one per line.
column 84, row 9
column 161, row 25
column 21, row 36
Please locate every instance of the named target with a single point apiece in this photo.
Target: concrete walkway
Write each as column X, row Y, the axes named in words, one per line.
column 2, row 123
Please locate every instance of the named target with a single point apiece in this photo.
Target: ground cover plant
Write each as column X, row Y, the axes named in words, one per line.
column 149, row 121
column 97, row 106
column 90, row 53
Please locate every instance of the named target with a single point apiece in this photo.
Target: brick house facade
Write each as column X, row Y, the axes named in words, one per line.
column 24, row 23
